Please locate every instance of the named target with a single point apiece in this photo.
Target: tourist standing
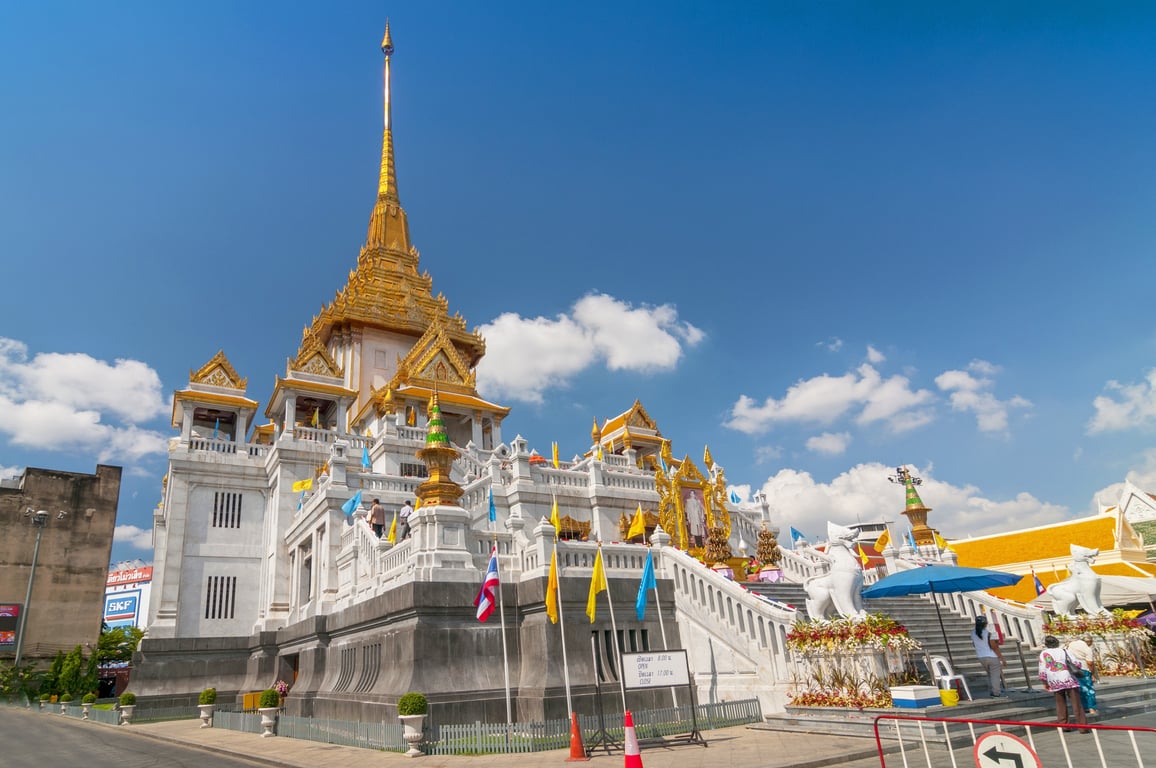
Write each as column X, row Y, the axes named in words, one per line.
column 406, row 511
column 1056, row 677
column 377, row 517
column 1081, row 649
column 990, row 657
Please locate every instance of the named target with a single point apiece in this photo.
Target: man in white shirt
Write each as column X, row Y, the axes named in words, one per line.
column 406, row 511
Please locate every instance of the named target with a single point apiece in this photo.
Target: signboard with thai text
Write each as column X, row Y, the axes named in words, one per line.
column 657, row 669
column 129, row 576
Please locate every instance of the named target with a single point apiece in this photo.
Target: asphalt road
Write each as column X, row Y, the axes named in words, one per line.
column 32, row 740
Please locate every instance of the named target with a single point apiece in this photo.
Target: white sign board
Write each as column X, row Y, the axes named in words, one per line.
column 1002, row 750
column 659, row 669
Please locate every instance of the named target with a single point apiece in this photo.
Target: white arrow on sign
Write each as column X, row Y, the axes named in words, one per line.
column 1002, row 750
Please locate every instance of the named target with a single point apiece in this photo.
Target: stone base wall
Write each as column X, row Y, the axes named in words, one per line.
column 422, row 636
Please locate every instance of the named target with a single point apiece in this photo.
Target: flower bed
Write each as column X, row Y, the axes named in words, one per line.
column 1121, row 642
column 847, row 663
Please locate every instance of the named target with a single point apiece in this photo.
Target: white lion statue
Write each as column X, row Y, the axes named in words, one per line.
column 1082, row 587
column 839, row 589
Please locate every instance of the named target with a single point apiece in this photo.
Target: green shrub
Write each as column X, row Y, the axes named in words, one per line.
column 269, row 698
column 65, row 698
column 89, row 698
column 127, row 699
column 412, row 704
column 208, row 696
column 46, row 697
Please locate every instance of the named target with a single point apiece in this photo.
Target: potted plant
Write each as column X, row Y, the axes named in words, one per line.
column 206, row 702
column 411, row 710
column 65, row 700
column 269, row 704
column 44, row 699
column 127, row 705
column 86, row 703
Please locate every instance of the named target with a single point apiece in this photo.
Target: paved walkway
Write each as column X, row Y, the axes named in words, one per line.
column 740, row 747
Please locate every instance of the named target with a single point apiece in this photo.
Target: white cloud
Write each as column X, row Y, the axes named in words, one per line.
column 1142, row 476
column 969, row 391
column 824, row 399
column 829, row 443
column 833, row 344
column 8, row 473
column 874, row 356
column 1133, row 405
column 864, row 494
column 138, row 538
column 765, row 453
column 527, row 356
column 61, row 402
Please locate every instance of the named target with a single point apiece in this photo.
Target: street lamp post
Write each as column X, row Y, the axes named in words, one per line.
column 40, row 520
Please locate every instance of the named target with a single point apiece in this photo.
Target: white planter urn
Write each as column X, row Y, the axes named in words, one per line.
column 126, row 713
column 268, row 720
column 87, row 708
column 206, row 714
column 64, row 707
column 413, row 733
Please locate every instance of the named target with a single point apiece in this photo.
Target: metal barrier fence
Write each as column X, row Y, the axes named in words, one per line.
column 493, row 738
column 932, row 742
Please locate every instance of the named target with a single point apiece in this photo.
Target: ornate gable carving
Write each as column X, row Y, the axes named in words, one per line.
column 314, row 359
column 638, row 417
column 434, row 359
column 218, row 372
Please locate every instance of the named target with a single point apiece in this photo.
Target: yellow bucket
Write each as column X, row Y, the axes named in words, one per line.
column 949, row 696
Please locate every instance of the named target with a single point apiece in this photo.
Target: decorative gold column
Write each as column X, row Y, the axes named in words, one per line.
column 438, row 456
column 915, row 511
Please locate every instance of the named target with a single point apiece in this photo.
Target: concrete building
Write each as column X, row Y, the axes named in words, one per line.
column 72, row 562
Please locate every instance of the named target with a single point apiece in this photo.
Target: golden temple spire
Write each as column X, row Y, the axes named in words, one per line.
column 388, row 227
column 387, row 181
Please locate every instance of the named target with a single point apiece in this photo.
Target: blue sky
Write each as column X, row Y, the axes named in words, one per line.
column 824, row 239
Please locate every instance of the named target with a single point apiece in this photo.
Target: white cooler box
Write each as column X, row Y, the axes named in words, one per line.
column 915, row 696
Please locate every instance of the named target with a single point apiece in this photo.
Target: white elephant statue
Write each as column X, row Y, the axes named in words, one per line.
column 1082, row 587
column 839, row 589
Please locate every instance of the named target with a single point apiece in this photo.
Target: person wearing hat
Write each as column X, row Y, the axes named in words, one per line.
column 1080, row 649
column 987, row 649
column 1056, row 667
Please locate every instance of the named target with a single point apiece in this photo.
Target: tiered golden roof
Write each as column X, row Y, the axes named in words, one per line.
column 385, row 290
column 218, row 372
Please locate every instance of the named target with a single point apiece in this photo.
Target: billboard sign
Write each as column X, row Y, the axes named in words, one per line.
column 121, row 607
column 9, row 624
column 129, row 576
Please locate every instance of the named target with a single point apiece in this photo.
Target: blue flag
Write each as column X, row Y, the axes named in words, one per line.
column 354, row 502
column 365, row 457
column 662, row 461
column 300, row 501
column 493, row 509
column 648, row 583
column 735, row 497
column 797, row 535
column 911, row 539
column 216, row 426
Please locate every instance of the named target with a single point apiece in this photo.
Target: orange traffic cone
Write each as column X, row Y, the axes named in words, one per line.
column 577, row 750
column 633, row 758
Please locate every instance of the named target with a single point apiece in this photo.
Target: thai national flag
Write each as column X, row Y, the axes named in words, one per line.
column 1038, row 584
column 485, row 601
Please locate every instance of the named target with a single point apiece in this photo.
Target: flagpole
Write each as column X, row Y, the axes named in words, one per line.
column 662, row 630
column 505, row 653
column 614, row 628
column 562, row 628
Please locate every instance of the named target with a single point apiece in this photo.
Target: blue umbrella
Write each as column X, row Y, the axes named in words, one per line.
column 940, row 579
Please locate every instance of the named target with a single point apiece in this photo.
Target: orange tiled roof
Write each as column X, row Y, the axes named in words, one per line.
column 1045, row 543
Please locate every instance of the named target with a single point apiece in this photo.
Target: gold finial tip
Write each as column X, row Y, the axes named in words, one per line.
column 387, row 41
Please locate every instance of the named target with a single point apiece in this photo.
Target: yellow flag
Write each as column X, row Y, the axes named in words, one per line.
column 554, row 519
column 316, row 417
column 883, row 540
column 597, row 584
column 598, row 452
column 303, row 485
column 637, row 525
column 392, row 537
column 552, row 589
column 941, row 542
column 417, row 504
column 863, row 556
column 554, row 446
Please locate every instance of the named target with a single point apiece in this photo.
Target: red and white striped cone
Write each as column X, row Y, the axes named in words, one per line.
column 633, row 757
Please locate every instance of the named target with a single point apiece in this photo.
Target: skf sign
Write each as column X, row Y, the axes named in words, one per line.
column 121, row 606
